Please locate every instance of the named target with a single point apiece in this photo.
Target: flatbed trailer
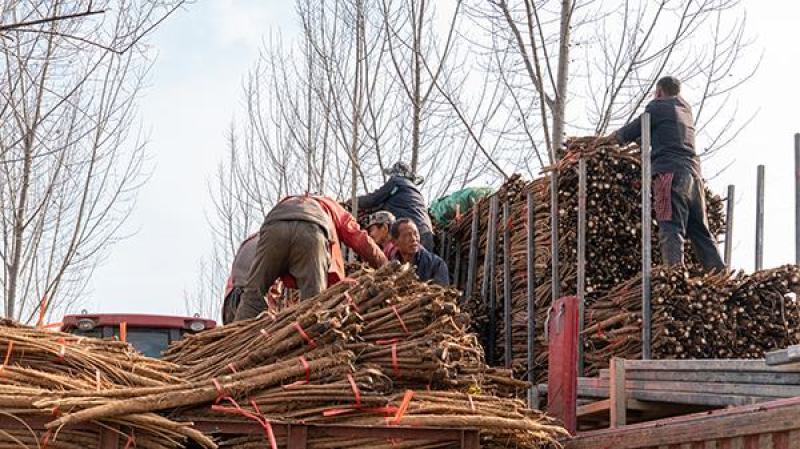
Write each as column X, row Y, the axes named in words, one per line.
column 297, row 435
column 769, row 425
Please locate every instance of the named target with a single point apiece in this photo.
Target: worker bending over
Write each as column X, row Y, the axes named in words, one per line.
column 678, row 188
column 237, row 279
column 299, row 242
column 379, row 228
column 430, row 267
column 400, row 196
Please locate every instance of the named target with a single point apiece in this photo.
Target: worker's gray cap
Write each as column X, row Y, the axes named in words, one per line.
column 381, row 217
column 401, row 168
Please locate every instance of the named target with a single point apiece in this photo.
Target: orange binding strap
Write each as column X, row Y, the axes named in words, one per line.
column 62, row 351
column 131, row 441
column 305, row 336
column 307, row 367
column 220, row 391
column 8, row 355
column 260, row 419
column 46, row 439
column 266, row 425
column 351, row 302
column 399, row 318
column 403, row 407
column 356, row 391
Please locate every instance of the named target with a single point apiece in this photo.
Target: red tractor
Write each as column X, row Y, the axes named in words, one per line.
column 149, row 334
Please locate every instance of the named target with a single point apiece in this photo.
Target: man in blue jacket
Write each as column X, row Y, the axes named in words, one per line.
column 400, row 196
column 430, row 267
column 678, row 188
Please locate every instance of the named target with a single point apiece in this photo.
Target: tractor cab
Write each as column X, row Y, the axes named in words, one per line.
column 149, row 334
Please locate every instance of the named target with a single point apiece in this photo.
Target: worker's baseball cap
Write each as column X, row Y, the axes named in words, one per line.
column 381, row 217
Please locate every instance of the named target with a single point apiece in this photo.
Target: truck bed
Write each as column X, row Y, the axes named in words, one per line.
column 769, row 425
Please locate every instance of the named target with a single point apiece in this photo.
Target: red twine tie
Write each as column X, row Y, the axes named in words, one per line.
column 351, row 302
column 220, row 391
column 131, row 441
column 305, row 336
column 402, row 323
column 8, row 355
column 356, row 391
column 306, row 366
column 403, row 407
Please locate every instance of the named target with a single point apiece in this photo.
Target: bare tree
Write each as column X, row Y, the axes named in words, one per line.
column 70, row 158
column 625, row 47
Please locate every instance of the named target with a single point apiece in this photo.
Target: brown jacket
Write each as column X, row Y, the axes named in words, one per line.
column 338, row 225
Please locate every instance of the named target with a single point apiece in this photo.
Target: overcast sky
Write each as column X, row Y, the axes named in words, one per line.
column 195, row 90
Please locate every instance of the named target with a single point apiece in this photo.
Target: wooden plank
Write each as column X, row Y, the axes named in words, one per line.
column 751, row 441
column 716, row 400
column 741, row 377
column 779, row 416
column 757, row 365
column 773, row 391
column 617, row 396
column 594, row 408
column 783, row 356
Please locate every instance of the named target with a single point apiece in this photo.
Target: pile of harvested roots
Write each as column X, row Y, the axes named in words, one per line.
column 708, row 316
column 613, row 240
column 46, row 374
column 380, row 348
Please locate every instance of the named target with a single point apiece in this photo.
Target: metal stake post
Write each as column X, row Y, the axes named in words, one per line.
column 457, row 268
column 797, row 198
column 647, row 220
column 581, row 293
column 472, row 263
column 729, row 225
column 487, row 288
column 760, row 218
column 533, row 396
column 507, row 283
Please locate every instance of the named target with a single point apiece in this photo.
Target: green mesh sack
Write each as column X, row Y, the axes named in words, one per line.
column 444, row 209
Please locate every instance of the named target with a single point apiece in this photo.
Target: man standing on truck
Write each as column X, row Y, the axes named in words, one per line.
column 299, row 242
column 678, row 188
column 430, row 267
column 400, row 196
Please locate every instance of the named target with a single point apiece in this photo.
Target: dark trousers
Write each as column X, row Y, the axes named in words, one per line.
column 298, row 248
column 680, row 207
column 230, row 304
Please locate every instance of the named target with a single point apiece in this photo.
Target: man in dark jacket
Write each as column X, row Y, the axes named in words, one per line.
column 400, row 196
column 430, row 267
column 299, row 243
column 678, row 188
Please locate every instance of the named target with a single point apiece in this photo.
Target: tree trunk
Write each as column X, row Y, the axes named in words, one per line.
column 557, row 137
column 417, row 87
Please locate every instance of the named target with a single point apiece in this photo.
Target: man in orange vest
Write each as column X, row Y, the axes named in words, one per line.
column 299, row 243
